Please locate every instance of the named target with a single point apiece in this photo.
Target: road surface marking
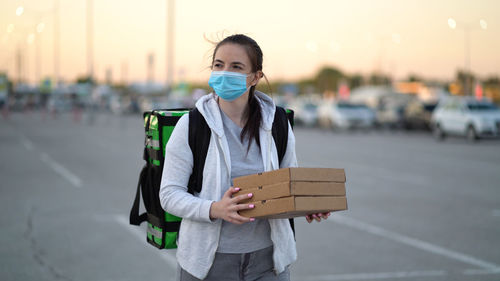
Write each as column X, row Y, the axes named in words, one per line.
column 27, row 143
column 167, row 255
column 482, row 271
column 170, row 259
column 58, row 168
column 379, row 275
column 419, row 244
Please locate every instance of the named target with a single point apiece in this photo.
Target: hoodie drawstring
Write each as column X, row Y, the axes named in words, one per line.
column 226, row 160
column 217, row 169
column 269, row 151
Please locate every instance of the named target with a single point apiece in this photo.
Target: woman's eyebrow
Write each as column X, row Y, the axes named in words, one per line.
column 218, row 60
column 237, row 63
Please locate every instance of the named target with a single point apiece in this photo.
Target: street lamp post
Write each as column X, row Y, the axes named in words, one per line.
column 467, row 28
column 19, row 64
column 170, row 43
column 90, row 39
column 39, row 29
column 23, row 67
column 24, row 37
column 56, row 43
column 18, row 34
column 36, row 37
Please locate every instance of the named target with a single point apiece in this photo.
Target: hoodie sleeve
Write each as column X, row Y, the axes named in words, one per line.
column 177, row 169
column 289, row 159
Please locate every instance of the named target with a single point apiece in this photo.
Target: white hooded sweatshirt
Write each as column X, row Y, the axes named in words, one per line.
column 199, row 235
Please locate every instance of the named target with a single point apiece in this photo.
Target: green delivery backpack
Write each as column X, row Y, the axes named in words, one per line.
column 162, row 227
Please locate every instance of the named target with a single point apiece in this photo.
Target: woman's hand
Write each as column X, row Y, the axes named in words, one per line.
column 317, row 217
column 227, row 208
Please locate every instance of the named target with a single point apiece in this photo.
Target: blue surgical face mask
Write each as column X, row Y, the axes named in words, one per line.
column 228, row 85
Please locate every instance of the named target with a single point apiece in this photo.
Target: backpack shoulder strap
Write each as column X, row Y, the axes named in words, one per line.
column 199, row 139
column 135, row 218
column 280, row 131
column 280, row 136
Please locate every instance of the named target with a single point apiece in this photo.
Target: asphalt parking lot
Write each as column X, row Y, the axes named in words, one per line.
column 418, row 209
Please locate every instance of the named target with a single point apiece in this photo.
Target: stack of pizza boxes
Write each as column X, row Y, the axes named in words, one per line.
column 293, row 192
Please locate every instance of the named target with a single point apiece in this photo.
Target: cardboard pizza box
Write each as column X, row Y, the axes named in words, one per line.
column 299, row 188
column 290, row 174
column 295, row 206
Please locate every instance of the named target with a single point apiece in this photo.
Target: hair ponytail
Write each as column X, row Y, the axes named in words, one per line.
column 253, row 117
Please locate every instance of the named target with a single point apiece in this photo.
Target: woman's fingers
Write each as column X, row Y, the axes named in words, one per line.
column 240, row 207
column 238, row 219
column 317, row 217
column 309, row 219
column 241, row 197
column 229, row 193
column 231, row 206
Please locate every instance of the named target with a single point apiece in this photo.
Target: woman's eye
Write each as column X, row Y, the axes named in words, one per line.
column 217, row 65
column 237, row 67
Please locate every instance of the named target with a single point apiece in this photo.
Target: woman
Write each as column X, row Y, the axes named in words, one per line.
column 215, row 242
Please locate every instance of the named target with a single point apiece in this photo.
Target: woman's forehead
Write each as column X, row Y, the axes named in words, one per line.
column 229, row 53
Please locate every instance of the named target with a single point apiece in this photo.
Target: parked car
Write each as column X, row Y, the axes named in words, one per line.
column 344, row 115
column 306, row 114
column 466, row 117
column 417, row 114
column 388, row 104
column 390, row 110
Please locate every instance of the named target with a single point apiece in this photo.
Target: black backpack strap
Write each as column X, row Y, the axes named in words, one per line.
column 280, row 136
column 135, row 218
column 280, row 131
column 199, row 139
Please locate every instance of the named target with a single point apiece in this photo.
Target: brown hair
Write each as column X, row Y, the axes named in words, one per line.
column 252, row 114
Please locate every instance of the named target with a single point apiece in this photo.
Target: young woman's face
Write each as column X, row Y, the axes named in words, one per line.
column 234, row 58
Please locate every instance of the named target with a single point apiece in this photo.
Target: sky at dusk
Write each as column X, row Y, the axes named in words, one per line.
column 398, row 37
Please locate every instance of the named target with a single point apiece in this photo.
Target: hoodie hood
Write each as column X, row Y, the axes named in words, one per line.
column 208, row 107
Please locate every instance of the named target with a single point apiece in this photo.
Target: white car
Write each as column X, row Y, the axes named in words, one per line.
column 306, row 114
column 344, row 115
column 467, row 117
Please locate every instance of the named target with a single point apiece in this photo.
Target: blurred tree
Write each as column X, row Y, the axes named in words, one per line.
column 379, row 79
column 356, row 80
column 328, row 79
column 201, row 85
column 492, row 88
column 492, row 81
column 412, row 77
column 85, row 79
column 466, row 80
column 266, row 87
column 306, row 85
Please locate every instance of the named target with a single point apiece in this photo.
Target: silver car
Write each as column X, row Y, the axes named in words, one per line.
column 345, row 115
column 466, row 116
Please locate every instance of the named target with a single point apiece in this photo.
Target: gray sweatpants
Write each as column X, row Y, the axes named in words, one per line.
column 252, row 266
